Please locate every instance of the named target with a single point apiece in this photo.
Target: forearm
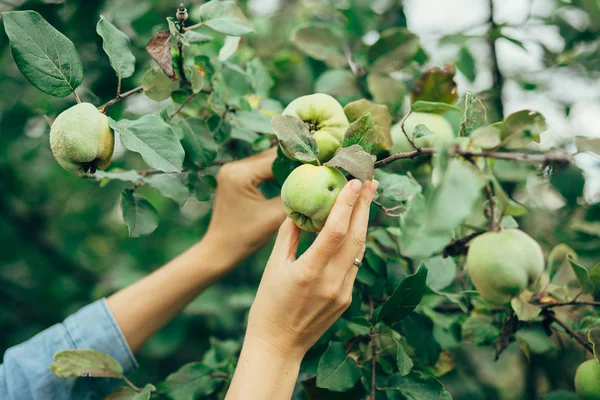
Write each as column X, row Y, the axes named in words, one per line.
column 146, row 306
column 263, row 372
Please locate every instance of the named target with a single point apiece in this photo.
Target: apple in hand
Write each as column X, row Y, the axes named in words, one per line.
column 325, row 119
column 587, row 380
column 503, row 264
column 441, row 128
column 309, row 193
column 81, row 139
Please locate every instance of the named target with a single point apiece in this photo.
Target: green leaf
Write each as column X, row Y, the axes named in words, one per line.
column 558, row 257
column 403, row 361
column 253, row 120
column 259, row 77
column 361, row 132
column 429, row 222
column 85, row 363
column 157, row 86
column 169, row 186
column 583, row 276
column 534, row 340
column 154, row 140
column 508, row 205
column 393, row 50
column 387, row 90
column 225, row 17
column 116, row 45
column 475, row 116
column 525, row 311
column 229, row 47
column 128, row 393
column 436, row 85
column 487, row 137
column 414, row 386
column 46, row 57
column 433, row 107
column 441, row 272
column 418, row 332
column 521, row 128
column 198, row 142
column 395, row 187
column 480, row 329
column 466, row 64
column 201, row 187
column 382, row 120
column 355, row 160
column 190, row 382
column 405, row 298
column 139, row 215
column 295, row 138
column 282, row 167
column 320, row 42
column 338, row 83
column 337, row 372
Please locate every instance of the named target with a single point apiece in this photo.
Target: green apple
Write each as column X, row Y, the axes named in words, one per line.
column 587, row 380
column 441, row 128
column 308, row 195
column 81, row 139
column 325, row 119
column 503, row 264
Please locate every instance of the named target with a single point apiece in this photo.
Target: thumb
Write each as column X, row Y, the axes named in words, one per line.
column 261, row 165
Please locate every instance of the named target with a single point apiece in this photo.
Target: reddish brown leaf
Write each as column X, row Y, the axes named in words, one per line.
column 159, row 49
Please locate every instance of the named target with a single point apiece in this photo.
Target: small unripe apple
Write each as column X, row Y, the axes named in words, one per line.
column 81, row 139
column 441, row 128
column 587, row 380
column 309, row 193
column 503, row 264
column 325, row 119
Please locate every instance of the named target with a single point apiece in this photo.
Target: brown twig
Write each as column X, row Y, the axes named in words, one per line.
column 181, row 107
column 492, row 207
column 373, row 335
column 572, row 303
column 388, row 211
column 571, row 332
column 410, row 140
column 497, row 77
column 459, row 246
column 104, row 108
column 536, row 158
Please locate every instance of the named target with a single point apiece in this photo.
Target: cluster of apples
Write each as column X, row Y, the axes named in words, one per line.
column 310, row 191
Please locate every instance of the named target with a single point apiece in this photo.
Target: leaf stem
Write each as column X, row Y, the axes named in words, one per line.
column 410, row 140
column 131, row 385
column 77, row 99
column 492, row 206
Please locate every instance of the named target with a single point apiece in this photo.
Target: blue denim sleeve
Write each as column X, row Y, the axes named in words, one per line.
column 25, row 375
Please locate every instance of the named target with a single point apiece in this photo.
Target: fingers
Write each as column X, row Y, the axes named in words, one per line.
column 350, row 277
column 273, row 209
column 357, row 233
column 286, row 245
column 260, row 165
column 333, row 234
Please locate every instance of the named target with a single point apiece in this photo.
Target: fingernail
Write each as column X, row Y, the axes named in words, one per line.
column 355, row 185
column 373, row 186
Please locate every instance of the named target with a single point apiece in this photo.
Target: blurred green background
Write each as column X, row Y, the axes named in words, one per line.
column 62, row 240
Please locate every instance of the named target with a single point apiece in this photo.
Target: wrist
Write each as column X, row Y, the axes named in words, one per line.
column 218, row 251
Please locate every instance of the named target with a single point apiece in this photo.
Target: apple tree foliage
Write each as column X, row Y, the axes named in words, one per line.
column 217, row 82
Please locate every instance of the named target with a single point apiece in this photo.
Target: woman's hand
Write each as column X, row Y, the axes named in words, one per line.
column 299, row 299
column 243, row 220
